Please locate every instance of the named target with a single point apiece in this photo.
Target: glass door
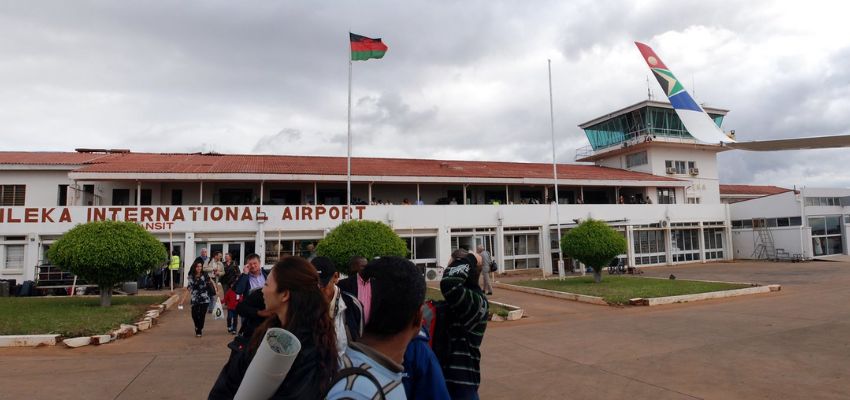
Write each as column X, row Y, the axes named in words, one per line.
column 236, row 249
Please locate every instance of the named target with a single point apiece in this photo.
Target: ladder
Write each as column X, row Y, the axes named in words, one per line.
column 765, row 247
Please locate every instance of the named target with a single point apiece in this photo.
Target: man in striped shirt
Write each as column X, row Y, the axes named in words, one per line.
column 467, row 318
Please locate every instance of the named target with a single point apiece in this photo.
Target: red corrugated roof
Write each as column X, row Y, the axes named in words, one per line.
column 751, row 189
column 308, row 165
column 47, row 158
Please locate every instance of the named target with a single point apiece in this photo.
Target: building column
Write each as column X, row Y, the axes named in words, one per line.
column 201, row 194
column 260, row 243
column 507, row 195
column 444, row 246
column 668, row 233
column 546, row 194
column 418, row 197
column 369, row 200
column 630, row 242
column 500, row 253
column 728, row 249
column 31, row 259
column 546, row 239
column 261, row 191
column 701, row 242
column 464, row 194
column 315, row 193
column 188, row 255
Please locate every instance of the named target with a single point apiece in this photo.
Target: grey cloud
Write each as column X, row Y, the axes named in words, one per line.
column 198, row 75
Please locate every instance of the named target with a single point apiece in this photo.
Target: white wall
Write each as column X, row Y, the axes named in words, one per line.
column 792, row 239
column 778, row 205
column 428, row 217
column 42, row 187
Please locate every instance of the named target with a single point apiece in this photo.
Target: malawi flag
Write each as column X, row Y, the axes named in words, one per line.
column 363, row 48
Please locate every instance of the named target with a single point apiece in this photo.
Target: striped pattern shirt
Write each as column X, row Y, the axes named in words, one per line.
column 468, row 309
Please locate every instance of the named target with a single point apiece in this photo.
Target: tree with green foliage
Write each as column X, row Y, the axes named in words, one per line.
column 106, row 253
column 369, row 239
column 593, row 243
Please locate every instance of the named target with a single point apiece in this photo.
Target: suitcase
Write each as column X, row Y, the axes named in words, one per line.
column 27, row 289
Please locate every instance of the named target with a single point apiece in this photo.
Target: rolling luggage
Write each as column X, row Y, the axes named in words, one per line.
column 27, row 289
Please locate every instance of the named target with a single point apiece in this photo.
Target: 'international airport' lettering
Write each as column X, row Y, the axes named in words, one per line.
column 165, row 218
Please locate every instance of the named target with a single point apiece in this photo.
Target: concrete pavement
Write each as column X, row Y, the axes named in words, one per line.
column 791, row 344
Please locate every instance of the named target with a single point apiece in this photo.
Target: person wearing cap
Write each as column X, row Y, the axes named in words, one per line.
column 467, row 312
column 345, row 310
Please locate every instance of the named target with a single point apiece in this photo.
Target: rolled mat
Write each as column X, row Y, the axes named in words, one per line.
column 270, row 365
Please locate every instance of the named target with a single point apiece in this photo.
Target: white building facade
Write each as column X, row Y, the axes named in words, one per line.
column 275, row 205
column 804, row 224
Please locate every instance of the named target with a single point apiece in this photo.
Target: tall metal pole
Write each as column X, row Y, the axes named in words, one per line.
column 348, row 187
column 555, row 175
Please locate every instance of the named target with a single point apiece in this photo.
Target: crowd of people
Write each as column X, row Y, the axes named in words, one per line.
column 362, row 335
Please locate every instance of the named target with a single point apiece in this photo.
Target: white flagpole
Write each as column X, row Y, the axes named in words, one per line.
column 555, row 175
column 348, row 187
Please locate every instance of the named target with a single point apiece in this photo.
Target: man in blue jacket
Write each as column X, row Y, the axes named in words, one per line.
column 423, row 376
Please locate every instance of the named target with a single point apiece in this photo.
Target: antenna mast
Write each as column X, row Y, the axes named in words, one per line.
column 648, row 89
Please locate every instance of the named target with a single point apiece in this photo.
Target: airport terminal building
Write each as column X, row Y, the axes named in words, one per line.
column 644, row 175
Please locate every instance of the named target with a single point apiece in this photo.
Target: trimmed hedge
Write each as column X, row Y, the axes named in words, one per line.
column 594, row 243
column 369, row 239
column 107, row 252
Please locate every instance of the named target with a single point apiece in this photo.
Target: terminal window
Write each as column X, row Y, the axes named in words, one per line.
column 12, row 195
column 633, row 160
column 666, row 196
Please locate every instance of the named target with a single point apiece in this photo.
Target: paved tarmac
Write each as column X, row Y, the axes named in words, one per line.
column 790, row 344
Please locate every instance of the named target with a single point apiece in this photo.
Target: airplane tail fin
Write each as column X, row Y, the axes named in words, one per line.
column 695, row 119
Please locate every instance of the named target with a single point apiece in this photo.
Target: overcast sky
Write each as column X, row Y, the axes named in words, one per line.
column 461, row 80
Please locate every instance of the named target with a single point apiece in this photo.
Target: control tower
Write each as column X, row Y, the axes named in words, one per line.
column 649, row 137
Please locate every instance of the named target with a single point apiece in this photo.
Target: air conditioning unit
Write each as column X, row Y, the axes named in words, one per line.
column 671, row 170
column 694, row 171
column 434, row 274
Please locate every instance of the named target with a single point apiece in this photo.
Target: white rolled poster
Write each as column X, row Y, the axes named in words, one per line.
column 271, row 363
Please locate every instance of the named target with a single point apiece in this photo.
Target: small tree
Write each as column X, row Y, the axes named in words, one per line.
column 369, row 239
column 106, row 253
column 593, row 243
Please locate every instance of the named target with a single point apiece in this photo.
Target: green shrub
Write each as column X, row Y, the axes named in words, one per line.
column 593, row 243
column 106, row 253
column 369, row 239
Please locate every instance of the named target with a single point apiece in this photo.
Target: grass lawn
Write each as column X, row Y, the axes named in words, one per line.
column 434, row 294
column 619, row 289
column 70, row 316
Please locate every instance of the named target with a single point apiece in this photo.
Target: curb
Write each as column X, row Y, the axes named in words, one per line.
column 657, row 301
column 147, row 321
column 552, row 293
column 28, row 340
column 514, row 314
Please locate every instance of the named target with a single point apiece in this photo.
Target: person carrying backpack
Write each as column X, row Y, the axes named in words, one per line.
column 371, row 368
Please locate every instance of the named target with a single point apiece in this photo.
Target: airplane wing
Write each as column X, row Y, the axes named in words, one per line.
column 703, row 128
column 813, row 142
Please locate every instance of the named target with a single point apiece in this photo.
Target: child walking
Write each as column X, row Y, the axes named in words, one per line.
column 231, row 299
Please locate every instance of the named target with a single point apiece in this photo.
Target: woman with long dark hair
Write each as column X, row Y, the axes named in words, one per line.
column 198, row 287
column 292, row 295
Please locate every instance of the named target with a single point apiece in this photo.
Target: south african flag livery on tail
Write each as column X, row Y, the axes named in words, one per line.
column 696, row 121
column 703, row 128
column 363, row 48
